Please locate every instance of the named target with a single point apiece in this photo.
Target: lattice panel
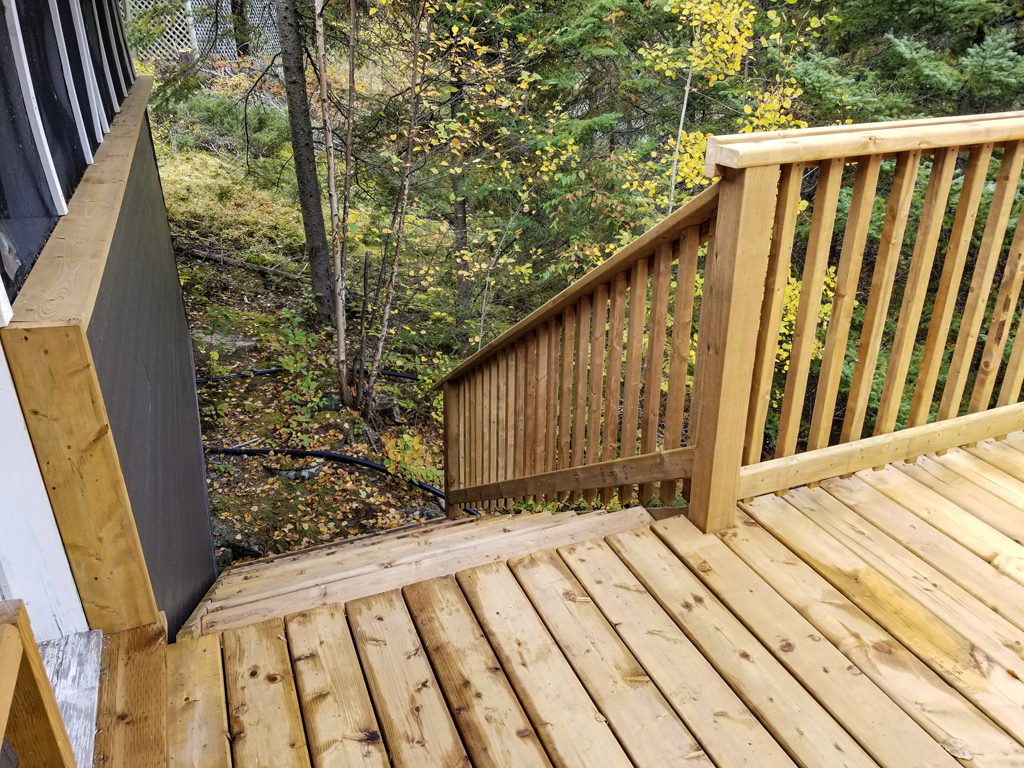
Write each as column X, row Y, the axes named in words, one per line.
column 214, row 31
column 177, row 39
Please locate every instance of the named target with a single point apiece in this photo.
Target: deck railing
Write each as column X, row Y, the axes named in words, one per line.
column 616, row 384
column 29, row 716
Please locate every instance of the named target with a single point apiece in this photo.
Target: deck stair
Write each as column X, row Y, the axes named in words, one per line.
column 278, row 586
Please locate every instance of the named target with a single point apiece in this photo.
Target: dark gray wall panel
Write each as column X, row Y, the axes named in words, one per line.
column 141, row 347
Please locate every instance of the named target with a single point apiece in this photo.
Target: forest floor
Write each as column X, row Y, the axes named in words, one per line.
column 260, row 505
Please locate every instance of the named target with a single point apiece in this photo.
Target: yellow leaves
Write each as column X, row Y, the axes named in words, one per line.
column 372, row 11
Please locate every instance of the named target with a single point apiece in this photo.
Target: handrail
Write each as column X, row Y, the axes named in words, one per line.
column 29, row 716
column 695, row 211
column 550, row 408
column 817, row 144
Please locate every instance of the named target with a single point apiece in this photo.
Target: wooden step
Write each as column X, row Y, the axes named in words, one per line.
column 73, row 667
column 197, row 710
column 478, row 547
column 246, row 576
column 131, row 721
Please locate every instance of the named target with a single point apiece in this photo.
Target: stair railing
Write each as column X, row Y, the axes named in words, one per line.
column 616, row 384
column 29, row 716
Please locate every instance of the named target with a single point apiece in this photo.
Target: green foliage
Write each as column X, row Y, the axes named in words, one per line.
column 410, row 457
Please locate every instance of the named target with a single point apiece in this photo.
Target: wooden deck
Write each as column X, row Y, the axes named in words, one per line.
column 875, row 620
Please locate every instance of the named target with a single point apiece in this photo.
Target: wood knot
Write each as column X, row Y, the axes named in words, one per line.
column 786, row 646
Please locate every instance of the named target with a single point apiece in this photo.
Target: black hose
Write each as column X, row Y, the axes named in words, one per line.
column 265, row 371
column 330, row 455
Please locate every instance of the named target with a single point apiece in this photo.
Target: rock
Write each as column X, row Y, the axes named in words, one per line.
column 225, row 535
column 388, row 409
column 331, row 401
column 227, row 345
column 225, row 556
column 429, row 512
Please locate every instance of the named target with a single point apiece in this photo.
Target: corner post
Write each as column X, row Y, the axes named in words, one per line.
column 452, row 439
column 734, row 278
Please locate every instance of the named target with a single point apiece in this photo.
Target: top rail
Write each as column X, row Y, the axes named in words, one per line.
column 847, row 141
column 696, row 211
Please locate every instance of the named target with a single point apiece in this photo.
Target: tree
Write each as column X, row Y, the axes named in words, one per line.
column 300, row 123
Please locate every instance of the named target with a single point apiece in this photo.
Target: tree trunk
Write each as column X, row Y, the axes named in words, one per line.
column 350, row 116
column 305, row 160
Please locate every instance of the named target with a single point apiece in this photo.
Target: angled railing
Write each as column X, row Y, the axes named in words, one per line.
column 616, row 384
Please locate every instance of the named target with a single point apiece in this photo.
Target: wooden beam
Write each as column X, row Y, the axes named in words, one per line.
column 10, row 663
column 696, row 211
column 778, row 474
column 60, row 396
column 35, row 727
column 878, row 139
column 733, row 283
column 652, row 467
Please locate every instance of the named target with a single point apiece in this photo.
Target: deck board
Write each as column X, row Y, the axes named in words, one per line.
column 641, row 718
column 876, row 620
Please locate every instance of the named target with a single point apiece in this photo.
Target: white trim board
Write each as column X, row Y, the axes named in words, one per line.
column 31, row 107
column 99, row 115
column 69, row 80
column 32, row 556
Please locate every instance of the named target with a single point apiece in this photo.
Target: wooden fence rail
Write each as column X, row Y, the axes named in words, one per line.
column 615, row 385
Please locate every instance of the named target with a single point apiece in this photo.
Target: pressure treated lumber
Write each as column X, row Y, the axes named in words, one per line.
column 876, row 138
column 131, row 719
column 882, row 279
column 984, row 475
column 263, row 711
column 985, row 542
column 1000, row 455
column 717, row 717
column 778, row 474
column 197, row 711
column 341, row 727
column 942, row 646
column 417, row 728
column 10, row 662
column 794, row 718
column 634, row 360
column 490, row 719
column 598, row 326
column 984, row 505
column 567, row 529
column 819, row 246
column 734, row 280
column 628, row 470
column 613, row 380
column 952, row 721
column 695, row 212
column 897, row 560
column 915, row 291
column 661, row 275
column 866, row 712
column 637, row 712
column 60, row 396
column 949, row 283
column 34, row 725
column 569, row 725
column 780, row 254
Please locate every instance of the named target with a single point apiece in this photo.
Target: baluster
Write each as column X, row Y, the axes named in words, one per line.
column 1009, row 392
column 613, row 381
column 520, row 457
column 502, row 423
column 540, row 452
column 679, row 354
column 452, row 438
column 530, row 406
column 779, row 257
column 660, row 278
column 981, row 283
column 819, row 244
column 634, row 360
column 949, row 283
column 551, row 435
column 882, row 278
column 598, row 324
column 734, row 280
column 565, row 389
column 510, row 418
column 916, row 289
column 999, row 325
column 485, row 433
column 851, row 259
column 579, row 406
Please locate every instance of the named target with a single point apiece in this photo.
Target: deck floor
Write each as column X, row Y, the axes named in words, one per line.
column 874, row 620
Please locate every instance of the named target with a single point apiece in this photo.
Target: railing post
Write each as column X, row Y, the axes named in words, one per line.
column 452, row 452
column 734, row 277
